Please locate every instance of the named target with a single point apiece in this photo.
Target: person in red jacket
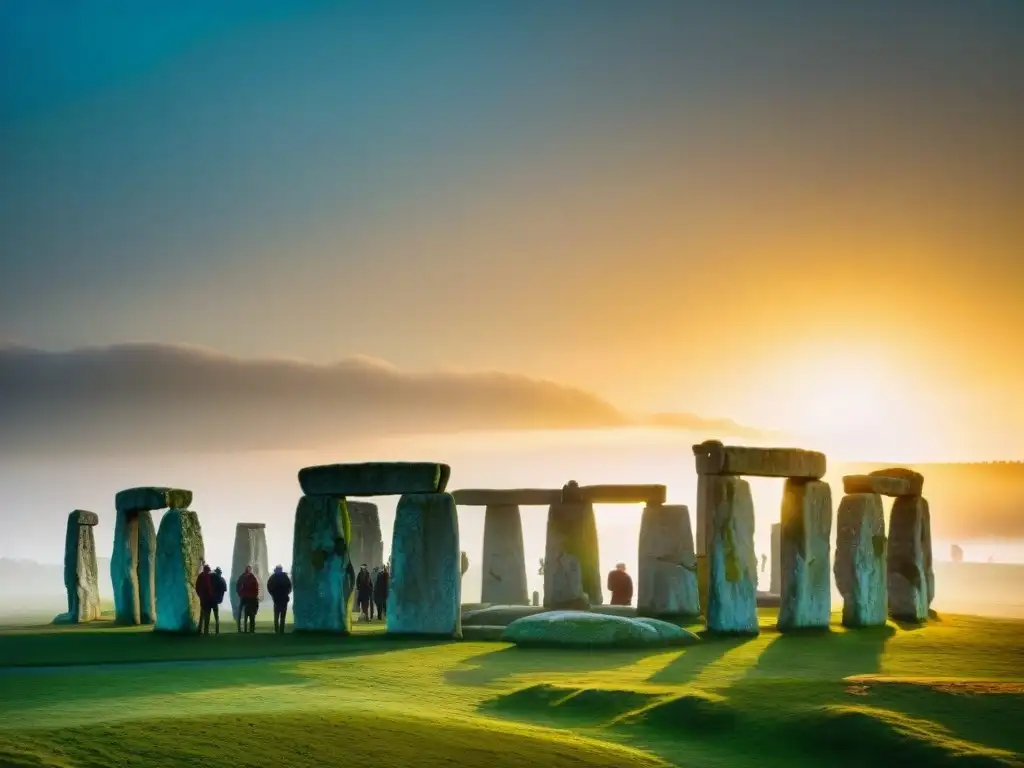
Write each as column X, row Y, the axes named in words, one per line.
column 620, row 584
column 248, row 589
column 204, row 590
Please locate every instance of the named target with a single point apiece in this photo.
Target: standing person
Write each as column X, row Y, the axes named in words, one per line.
column 380, row 592
column 364, row 592
column 280, row 588
column 248, row 589
column 373, row 585
column 620, row 584
column 219, row 588
column 204, row 591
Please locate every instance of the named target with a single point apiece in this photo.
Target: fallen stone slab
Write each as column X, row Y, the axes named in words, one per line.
column 622, row 494
column 133, row 567
column 383, row 478
column 179, row 556
column 323, row 578
column 250, row 549
column 806, row 596
column 714, row 458
column 81, row 572
column 860, row 567
column 732, row 562
column 367, row 543
column 504, row 561
column 907, row 564
column 526, row 497
column 582, row 629
column 426, row 576
column 572, row 572
column 667, row 565
column 152, row 498
column 881, row 484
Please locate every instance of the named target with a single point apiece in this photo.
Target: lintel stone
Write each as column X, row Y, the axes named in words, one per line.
column 379, row 478
column 915, row 479
column 883, row 485
column 151, row 498
column 83, row 517
column 524, row 497
column 653, row 495
column 714, row 458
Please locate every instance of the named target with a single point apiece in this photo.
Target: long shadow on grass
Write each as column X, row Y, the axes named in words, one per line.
column 693, row 660
column 829, row 655
column 487, row 668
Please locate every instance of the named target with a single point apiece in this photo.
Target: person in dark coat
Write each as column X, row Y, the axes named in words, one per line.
column 380, row 592
column 218, row 588
column 248, row 589
column 204, row 591
column 280, row 588
column 620, row 584
column 364, row 592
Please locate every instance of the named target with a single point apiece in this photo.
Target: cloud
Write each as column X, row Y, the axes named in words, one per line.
column 132, row 398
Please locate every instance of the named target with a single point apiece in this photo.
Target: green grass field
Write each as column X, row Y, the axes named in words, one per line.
column 951, row 692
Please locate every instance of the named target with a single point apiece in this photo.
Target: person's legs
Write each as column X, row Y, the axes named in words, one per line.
column 284, row 614
column 204, row 619
column 254, row 607
column 240, row 616
column 215, row 609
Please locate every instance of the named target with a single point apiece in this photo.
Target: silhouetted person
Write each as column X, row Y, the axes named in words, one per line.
column 248, row 589
column 280, row 588
column 620, row 584
column 373, row 582
column 380, row 592
column 364, row 591
column 218, row 588
column 764, row 562
column 204, row 591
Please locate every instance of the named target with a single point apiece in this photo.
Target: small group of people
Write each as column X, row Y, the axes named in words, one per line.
column 211, row 587
column 372, row 591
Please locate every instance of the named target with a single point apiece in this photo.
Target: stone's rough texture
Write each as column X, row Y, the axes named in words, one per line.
column 775, row 585
column 133, row 568
column 382, row 478
column 915, row 479
column 426, row 575
column 622, row 494
column 926, row 544
column 323, row 578
column 713, row 458
column 504, row 564
column 81, row 574
column 587, row 630
column 881, row 484
column 250, row 549
column 670, row 633
column 907, row 564
column 806, row 567
column 510, row 497
column 367, row 543
column 571, row 549
column 179, row 556
column 732, row 564
column 152, row 498
column 667, row 573
column 860, row 560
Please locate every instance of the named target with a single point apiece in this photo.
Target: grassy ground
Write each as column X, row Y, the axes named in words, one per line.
column 952, row 692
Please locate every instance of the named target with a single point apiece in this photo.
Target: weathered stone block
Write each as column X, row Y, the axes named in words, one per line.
column 382, row 478
column 323, row 578
column 667, row 572
column 426, row 578
column 907, row 566
column 250, row 549
column 133, row 567
column 509, row 497
column 367, row 544
column 81, row 573
column 914, row 479
column 775, row 585
column 860, row 568
column 622, row 494
column 732, row 563
column 713, row 458
column 82, row 517
column 151, row 499
column 806, row 561
column 179, row 556
column 504, row 562
column 881, row 484
column 571, row 547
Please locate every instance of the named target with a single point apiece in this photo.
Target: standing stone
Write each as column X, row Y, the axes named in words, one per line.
column 81, row 575
column 572, row 571
column 426, row 581
column 700, row 543
column 179, row 556
column 504, row 563
column 860, row 567
column 775, row 585
column 250, row 549
column 907, row 565
column 667, row 573
column 806, row 556
column 133, row 567
column 367, row 544
column 926, row 542
column 732, row 562
column 323, row 578
column 536, row 599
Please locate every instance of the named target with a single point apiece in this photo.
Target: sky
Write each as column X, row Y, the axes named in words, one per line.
column 796, row 215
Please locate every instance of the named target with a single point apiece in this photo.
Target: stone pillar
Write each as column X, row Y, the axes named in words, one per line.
column 572, row 571
column 701, row 541
column 926, row 542
column 250, row 549
column 907, row 564
column 133, row 567
column 860, row 568
column 504, row 564
column 806, row 555
column 367, row 541
column 732, row 562
column 323, row 579
column 667, row 564
column 536, row 599
column 81, row 574
column 775, row 585
column 179, row 556
column 426, row 579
